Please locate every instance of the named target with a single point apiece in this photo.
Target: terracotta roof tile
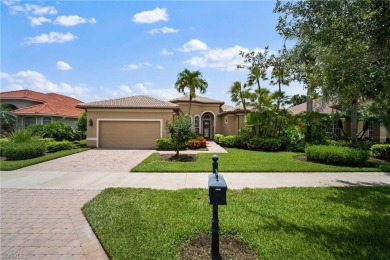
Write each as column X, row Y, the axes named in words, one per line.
column 139, row 101
column 199, row 99
column 232, row 110
column 51, row 103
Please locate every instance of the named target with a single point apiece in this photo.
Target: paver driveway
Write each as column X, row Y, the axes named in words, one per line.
column 94, row 160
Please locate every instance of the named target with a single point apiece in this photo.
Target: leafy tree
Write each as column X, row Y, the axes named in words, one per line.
column 81, row 122
column 191, row 80
column 239, row 94
column 7, row 118
column 297, row 99
column 350, row 42
column 180, row 130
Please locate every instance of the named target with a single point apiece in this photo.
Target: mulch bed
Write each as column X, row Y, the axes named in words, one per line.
column 229, row 247
column 181, row 158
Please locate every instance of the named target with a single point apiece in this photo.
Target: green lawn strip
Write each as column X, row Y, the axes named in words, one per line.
column 283, row 223
column 238, row 160
column 14, row 165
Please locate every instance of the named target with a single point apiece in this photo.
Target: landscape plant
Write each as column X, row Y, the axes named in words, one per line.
column 54, row 146
column 57, row 130
column 381, row 151
column 337, row 155
column 180, row 130
column 23, row 145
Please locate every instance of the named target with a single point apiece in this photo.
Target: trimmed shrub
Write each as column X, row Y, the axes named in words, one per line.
column 294, row 139
column 80, row 143
column 337, row 155
column 21, row 136
column 231, row 141
column 55, row 146
column 2, row 143
column 265, row 144
column 381, row 151
column 218, row 138
column 57, row 130
column 24, row 150
column 165, row 143
column 197, row 143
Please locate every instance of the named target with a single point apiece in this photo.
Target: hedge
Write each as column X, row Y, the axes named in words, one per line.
column 24, row 150
column 381, row 151
column 337, row 155
column 54, row 146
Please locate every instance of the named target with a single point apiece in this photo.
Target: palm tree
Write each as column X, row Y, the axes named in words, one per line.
column 239, row 94
column 7, row 118
column 192, row 80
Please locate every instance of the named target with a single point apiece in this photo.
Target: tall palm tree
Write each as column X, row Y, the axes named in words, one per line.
column 239, row 94
column 191, row 80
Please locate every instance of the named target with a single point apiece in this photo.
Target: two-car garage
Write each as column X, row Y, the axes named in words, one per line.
column 134, row 122
column 129, row 134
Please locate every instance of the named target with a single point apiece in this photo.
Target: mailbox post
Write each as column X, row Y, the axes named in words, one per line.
column 217, row 196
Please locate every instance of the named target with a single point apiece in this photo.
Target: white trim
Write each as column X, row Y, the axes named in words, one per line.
column 214, row 119
column 91, row 139
column 125, row 120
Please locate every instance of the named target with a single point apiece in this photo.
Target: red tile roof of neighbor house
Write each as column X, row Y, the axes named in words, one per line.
column 318, row 105
column 197, row 99
column 49, row 104
column 139, row 101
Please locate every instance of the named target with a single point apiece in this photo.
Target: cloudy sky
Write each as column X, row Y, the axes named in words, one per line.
column 95, row 50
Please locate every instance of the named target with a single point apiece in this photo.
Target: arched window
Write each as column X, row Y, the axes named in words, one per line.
column 46, row 120
column 29, row 121
column 196, row 124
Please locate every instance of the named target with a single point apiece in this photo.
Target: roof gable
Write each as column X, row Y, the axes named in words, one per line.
column 197, row 99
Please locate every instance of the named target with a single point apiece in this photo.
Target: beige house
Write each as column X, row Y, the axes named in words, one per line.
column 375, row 132
column 136, row 122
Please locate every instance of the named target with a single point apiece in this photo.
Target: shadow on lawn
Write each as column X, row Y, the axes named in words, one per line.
column 363, row 234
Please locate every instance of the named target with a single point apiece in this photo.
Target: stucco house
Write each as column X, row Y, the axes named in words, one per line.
column 33, row 107
column 135, row 122
column 376, row 132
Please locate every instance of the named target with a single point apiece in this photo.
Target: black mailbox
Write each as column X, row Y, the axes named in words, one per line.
column 217, row 189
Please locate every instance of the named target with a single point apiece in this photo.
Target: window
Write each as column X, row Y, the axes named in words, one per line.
column 29, row 121
column 196, row 124
column 226, row 119
column 335, row 129
column 46, row 120
column 370, row 131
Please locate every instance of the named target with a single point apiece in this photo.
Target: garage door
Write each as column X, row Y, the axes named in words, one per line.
column 128, row 135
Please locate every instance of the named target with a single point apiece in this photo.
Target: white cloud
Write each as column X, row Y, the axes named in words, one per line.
column 37, row 21
column 72, row 20
column 159, row 67
column 136, row 66
column 126, row 89
column 163, row 30
column 33, row 80
column 62, row 65
column 165, row 52
column 152, row 16
column 53, row 37
column 194, row 45
column 224, row 59
column 32, row 9
column 9, row 2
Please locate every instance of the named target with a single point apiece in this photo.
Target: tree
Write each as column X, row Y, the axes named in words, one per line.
column 280, row 74
column 239, row 94
column 191, row 80
column 7, row 118
column 81, row 122
column 297, row 99
column 180, row 130
column 351, row 42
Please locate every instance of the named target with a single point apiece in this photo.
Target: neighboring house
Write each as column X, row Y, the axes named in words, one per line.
column 33, row 107
column 376, row 132
column 137, row 121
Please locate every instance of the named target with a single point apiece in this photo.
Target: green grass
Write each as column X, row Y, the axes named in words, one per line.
column 14, row 165
column 245, row 161
column 283, row 223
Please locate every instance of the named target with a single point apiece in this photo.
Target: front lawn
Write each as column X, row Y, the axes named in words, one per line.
column 14, row 165
column 238, row 160
column 283, row 223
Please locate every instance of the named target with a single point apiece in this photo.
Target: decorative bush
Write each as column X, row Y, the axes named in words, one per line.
column 24, row 150
column 55, row 146
column 2, row 143
column 336, row 155
column 231, row 141
column 197, row 143
column 265, row 144
column 218, row 138
column 21, row 136
column 295, row 139
column 80, row 143
column 381, row 151
column 165, row 143
column 57, row 130
column 361, row 145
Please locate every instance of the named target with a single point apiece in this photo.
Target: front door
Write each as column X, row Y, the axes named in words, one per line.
column 206, row 129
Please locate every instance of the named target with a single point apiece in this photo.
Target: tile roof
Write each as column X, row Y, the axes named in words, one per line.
column 48, row 104
column 198, row 99
column 139, row 101
column 318, row 105
column 232, row 110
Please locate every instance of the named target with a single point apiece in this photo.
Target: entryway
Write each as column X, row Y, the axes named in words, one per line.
column 207, row 126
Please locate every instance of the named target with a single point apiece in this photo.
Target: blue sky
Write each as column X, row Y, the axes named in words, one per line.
column 95, row 50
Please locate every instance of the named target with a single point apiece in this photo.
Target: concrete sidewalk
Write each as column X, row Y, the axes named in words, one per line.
column 173, row 181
